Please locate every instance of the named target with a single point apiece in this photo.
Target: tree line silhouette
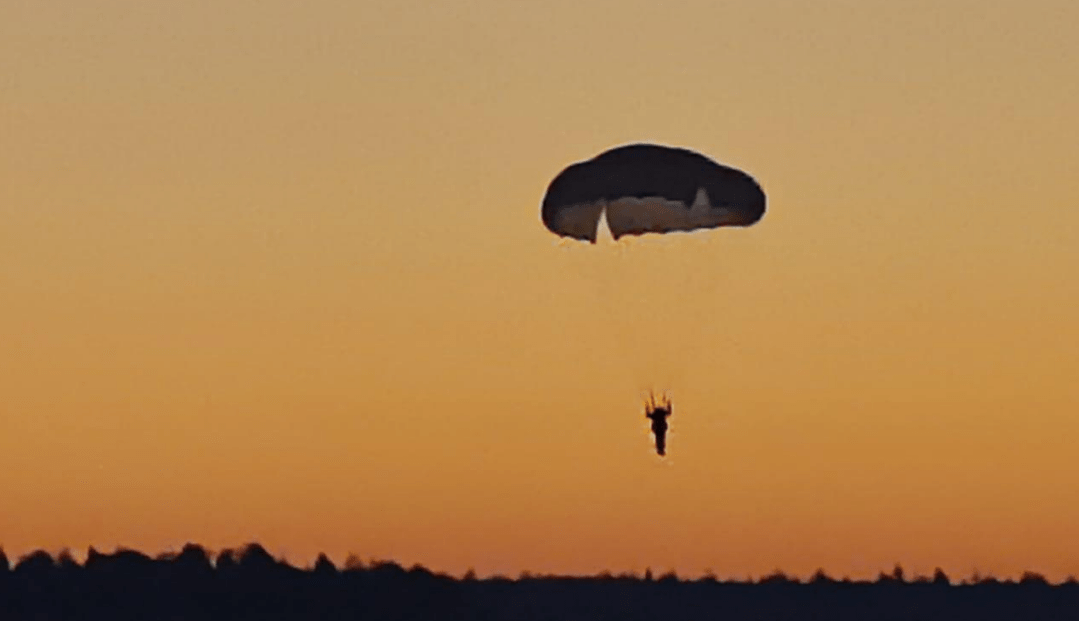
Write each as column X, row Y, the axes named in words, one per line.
column 248, row 583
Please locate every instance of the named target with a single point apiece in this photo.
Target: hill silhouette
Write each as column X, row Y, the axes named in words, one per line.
column 248, row 583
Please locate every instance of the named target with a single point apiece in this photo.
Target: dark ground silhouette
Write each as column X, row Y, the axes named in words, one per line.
column 250, row 584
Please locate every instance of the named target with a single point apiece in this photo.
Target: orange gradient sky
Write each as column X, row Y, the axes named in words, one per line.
column 275, row 271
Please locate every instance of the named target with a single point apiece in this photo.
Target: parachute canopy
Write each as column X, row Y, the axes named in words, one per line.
column 648, row 188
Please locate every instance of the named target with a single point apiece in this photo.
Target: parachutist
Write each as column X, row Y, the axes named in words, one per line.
column 658, row 413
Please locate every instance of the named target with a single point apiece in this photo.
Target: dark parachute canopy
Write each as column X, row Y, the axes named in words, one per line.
column 648, row 188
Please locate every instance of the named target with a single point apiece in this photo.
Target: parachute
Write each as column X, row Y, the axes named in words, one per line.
column 639, row 189
column 647, row 188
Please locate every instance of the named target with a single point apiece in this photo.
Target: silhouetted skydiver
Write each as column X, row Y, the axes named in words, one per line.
column 658, row 414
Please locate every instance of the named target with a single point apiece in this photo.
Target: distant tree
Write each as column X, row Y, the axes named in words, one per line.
column 386, row 568
column 67, row 561
column 648, row 574
column 226, row 562
column 776, row 577
column 255, row 557
column 36, row 562
column 897, row 573
column 5, row 564
column 193, row 556
column 940, row 578
column 470, row 575
column 820, row 577
column 353, row 563
column 324, row 566
column 418, row 569
column 1032, row 578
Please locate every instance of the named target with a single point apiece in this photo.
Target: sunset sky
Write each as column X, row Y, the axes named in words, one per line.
column 275, row 271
